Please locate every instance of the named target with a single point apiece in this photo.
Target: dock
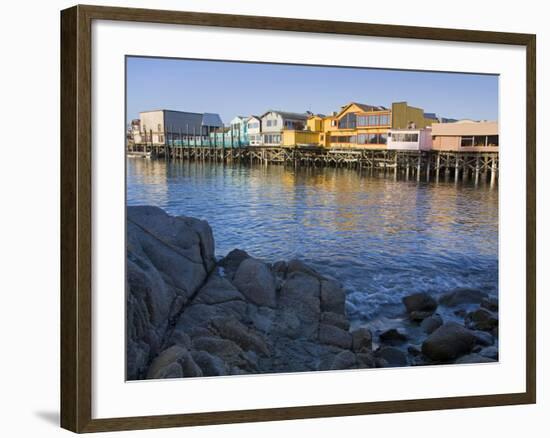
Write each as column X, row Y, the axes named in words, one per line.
column 455, row 164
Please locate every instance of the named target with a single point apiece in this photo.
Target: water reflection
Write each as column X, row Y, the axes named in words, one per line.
column 380, row 235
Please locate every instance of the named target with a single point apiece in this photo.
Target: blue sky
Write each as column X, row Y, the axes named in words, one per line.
column 233, row 88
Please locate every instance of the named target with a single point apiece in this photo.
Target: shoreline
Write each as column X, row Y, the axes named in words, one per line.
column 191, row 315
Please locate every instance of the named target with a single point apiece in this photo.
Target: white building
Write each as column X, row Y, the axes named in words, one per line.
column 254, row 129
column 410, row 139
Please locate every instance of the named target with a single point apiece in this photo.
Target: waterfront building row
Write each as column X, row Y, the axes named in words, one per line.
column 355, row 126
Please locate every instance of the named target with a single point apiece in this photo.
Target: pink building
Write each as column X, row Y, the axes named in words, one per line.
column 465, row 136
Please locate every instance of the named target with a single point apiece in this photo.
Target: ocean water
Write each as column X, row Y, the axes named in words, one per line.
column 381, row 236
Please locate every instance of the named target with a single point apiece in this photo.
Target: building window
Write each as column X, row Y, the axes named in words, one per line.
column 333, row 122
column 349, row 121
column 361, row 120
column 159, row 127
column 492, row 140
column 384, row 119
column 373, row 120
column 402, row 137
column 466, row 141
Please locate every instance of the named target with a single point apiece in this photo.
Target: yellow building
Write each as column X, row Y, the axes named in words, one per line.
column 357, row 125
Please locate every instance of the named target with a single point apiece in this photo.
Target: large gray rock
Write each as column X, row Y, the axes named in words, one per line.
column 175, row 361
column 344, row 360
column 391, row 357
column 481, row 319
column 432, row 323
column 231, row 262
column 392, row 337
column 256, row 282
column 168, row 260
column 300, row 296
column 448, row 342
column 361, row 340
column 333, row 297
column 420, row 305
column 332, row 335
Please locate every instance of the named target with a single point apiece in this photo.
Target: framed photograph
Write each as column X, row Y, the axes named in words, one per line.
column 269, row 218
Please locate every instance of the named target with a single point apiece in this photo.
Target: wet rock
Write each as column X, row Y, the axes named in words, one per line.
column 335, row 319
column 420, row 305
column 256, row 282
column 392, row 356
column 300, row 295
column 244, row 337
column 231, row 262
column 481, row 319
column 168, row 260
column 333, row 297
column 490, row 352
column 209, row 364
column 296, row 265
column 361, row 340
column 448, row 342
column 227, row 350
column 332, row 335
column 483, row 338
column 163, row 365
column 490, row 303
column 344, row 360
column 366, row 359
column 429, row 325
column 280, row 268
column 462, row 296
column 413, row 350
column 473, row 358
column 392, row 337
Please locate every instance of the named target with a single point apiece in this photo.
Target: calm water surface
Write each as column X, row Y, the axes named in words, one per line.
column 381, row 237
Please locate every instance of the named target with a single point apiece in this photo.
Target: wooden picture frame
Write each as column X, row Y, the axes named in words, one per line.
column 76, row 217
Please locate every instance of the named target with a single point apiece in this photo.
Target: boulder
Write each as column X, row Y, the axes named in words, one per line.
column 335, row 319
column 366, row 359
column 300, row 295
column 462, row 296
column 481, row 319
column 392, row 356
column 361, row 340
column 344, row 360
column 333, row 297
column 332, row 335
column 256, row 282
column 483, row 338
column 448, row 342
column 209, row 364
column 244, row 337
column 429, row 325
column 231, row 262
column 168, row 260
column 421, row 303
column 490, row 303
column 163, row 364
column 392, row 337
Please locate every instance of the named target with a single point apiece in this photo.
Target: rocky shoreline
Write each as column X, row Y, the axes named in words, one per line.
column 190, row 315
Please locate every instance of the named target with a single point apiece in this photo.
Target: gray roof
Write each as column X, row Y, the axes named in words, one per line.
column 289, row 115
column 211, row 119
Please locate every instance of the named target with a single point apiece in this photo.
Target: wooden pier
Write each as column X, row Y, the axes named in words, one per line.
column 459, row 165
